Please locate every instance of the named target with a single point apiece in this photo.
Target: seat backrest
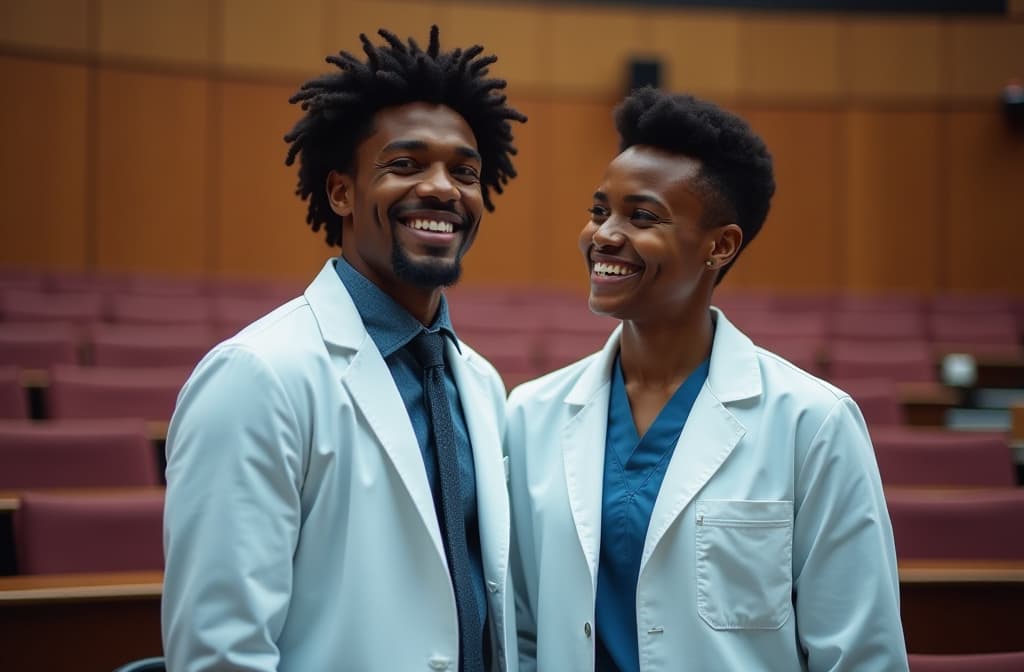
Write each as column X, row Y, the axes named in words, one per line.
column 150, row 309
column 1012, row 661
column 76, row 453
column 133, row 345
column 905, row 361
column 69, row 533
column 13, row 397
column 38, row 345
column 109, row 392
column 915, row 456
column 32, row 306
column 958, row 525
column 877, row 399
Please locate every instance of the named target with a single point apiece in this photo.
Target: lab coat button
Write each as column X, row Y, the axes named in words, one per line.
column 440, row 663
column 587, row 629
column 492, row 586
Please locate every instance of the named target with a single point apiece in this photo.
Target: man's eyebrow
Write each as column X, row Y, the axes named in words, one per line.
column 404, row 145
column 469, row 153
column 600, row 196
column 419, row 146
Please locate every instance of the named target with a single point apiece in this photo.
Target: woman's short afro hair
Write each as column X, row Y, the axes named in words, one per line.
column 736, row 169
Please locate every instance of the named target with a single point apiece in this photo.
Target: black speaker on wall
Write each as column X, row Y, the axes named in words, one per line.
column 644, row 72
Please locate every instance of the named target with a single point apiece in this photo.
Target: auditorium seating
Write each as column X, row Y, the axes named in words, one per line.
column 73, row 533
column 38, row 345
column 1012, row 661
column 938, row 457
column 76, row 453
column 114, row 392
column 13, row 399
column 958, row 524
column 149, row 345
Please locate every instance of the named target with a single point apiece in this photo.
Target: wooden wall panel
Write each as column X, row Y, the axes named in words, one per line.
column 700, row 50
column 345, row 19
column 984, row 178
column 789, row 56
column 589, row 50
column 161, row 30
column 509, row 247
column 798, row 247
column 261, row 227
column 270, row 36
column 152, row 173
column 45, row 24
column 982, row 55
column 42, row 193
column 516, row 34
column 893, row 221
column 581, row 141
column 891, row 58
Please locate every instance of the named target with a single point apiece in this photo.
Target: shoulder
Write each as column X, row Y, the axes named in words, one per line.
column 551, row 387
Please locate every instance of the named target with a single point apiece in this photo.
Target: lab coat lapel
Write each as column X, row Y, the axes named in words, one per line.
column 711, row 431
column 365, row 376
column 583, row 439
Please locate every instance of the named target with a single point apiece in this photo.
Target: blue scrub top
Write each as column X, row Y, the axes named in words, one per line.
column 634, row 468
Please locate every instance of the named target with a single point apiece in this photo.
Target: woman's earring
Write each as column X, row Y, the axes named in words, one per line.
column 709, row 263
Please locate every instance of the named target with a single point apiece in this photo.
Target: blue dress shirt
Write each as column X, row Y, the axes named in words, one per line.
column 392, row 327
column 634, row 468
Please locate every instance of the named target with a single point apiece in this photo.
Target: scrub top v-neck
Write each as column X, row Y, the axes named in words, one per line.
column 634, row 468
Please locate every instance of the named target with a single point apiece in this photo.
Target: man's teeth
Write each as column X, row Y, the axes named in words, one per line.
column 431, row 225
column 604, row 268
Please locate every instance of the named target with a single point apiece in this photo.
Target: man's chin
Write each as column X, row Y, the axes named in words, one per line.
column 427, row 274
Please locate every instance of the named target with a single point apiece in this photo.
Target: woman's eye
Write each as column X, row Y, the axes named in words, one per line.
column 644, row 216
column 402, row 164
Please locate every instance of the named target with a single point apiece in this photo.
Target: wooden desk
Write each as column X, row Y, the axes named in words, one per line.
column 1017, row 422
column 925, row 404
column 962, row 606
column 79, row 621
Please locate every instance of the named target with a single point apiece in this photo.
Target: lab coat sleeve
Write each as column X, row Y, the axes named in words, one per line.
column 846, row 582
column 232, row 515
column 523, row 569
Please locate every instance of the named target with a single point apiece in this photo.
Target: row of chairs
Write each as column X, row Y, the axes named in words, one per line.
column 121, row 531
column 120, row 452
column 142, row 283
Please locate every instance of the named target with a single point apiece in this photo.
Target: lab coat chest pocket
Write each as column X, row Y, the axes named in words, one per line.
column 744, row 563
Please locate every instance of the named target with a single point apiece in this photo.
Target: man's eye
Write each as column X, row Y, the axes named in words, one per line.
column 467, row 173
column 402, row 164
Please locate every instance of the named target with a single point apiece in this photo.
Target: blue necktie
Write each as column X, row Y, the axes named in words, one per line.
column 428, row 348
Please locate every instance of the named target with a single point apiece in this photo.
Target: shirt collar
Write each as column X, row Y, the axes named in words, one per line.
column 389, row 324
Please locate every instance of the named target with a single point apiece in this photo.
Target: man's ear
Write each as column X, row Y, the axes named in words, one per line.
column 340, row 193
column 726, row 244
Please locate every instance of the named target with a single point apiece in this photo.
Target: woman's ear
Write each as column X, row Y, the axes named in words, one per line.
column 340, row 193
column 725, row 245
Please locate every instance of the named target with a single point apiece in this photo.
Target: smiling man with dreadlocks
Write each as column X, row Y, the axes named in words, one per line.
column 335, row 488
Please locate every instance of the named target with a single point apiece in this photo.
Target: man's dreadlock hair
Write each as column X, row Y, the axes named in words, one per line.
column 340, row 107
column 736, row 177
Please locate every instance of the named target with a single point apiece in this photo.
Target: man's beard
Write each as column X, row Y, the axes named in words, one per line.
column 441, row 273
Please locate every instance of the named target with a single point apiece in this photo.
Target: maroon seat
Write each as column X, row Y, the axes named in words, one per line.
column 877, row 399
column 38, row 345
column 904, row 362
column 513, row 355
column 805, row 353
column 1012, row 661
column 981, row 329
column 76, row 453
column 132, row 345
column 231, row 314
column 13, row 398
column 156, row 309
column 768, row 326
column 109, row 392
column 915, row 456
column 877, row 326
column 64, row 533
column 958, row 525
column 890, row 303
column 80, row 308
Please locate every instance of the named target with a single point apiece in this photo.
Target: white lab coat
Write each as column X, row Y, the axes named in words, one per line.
column 769, row 547
column 300, row 530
